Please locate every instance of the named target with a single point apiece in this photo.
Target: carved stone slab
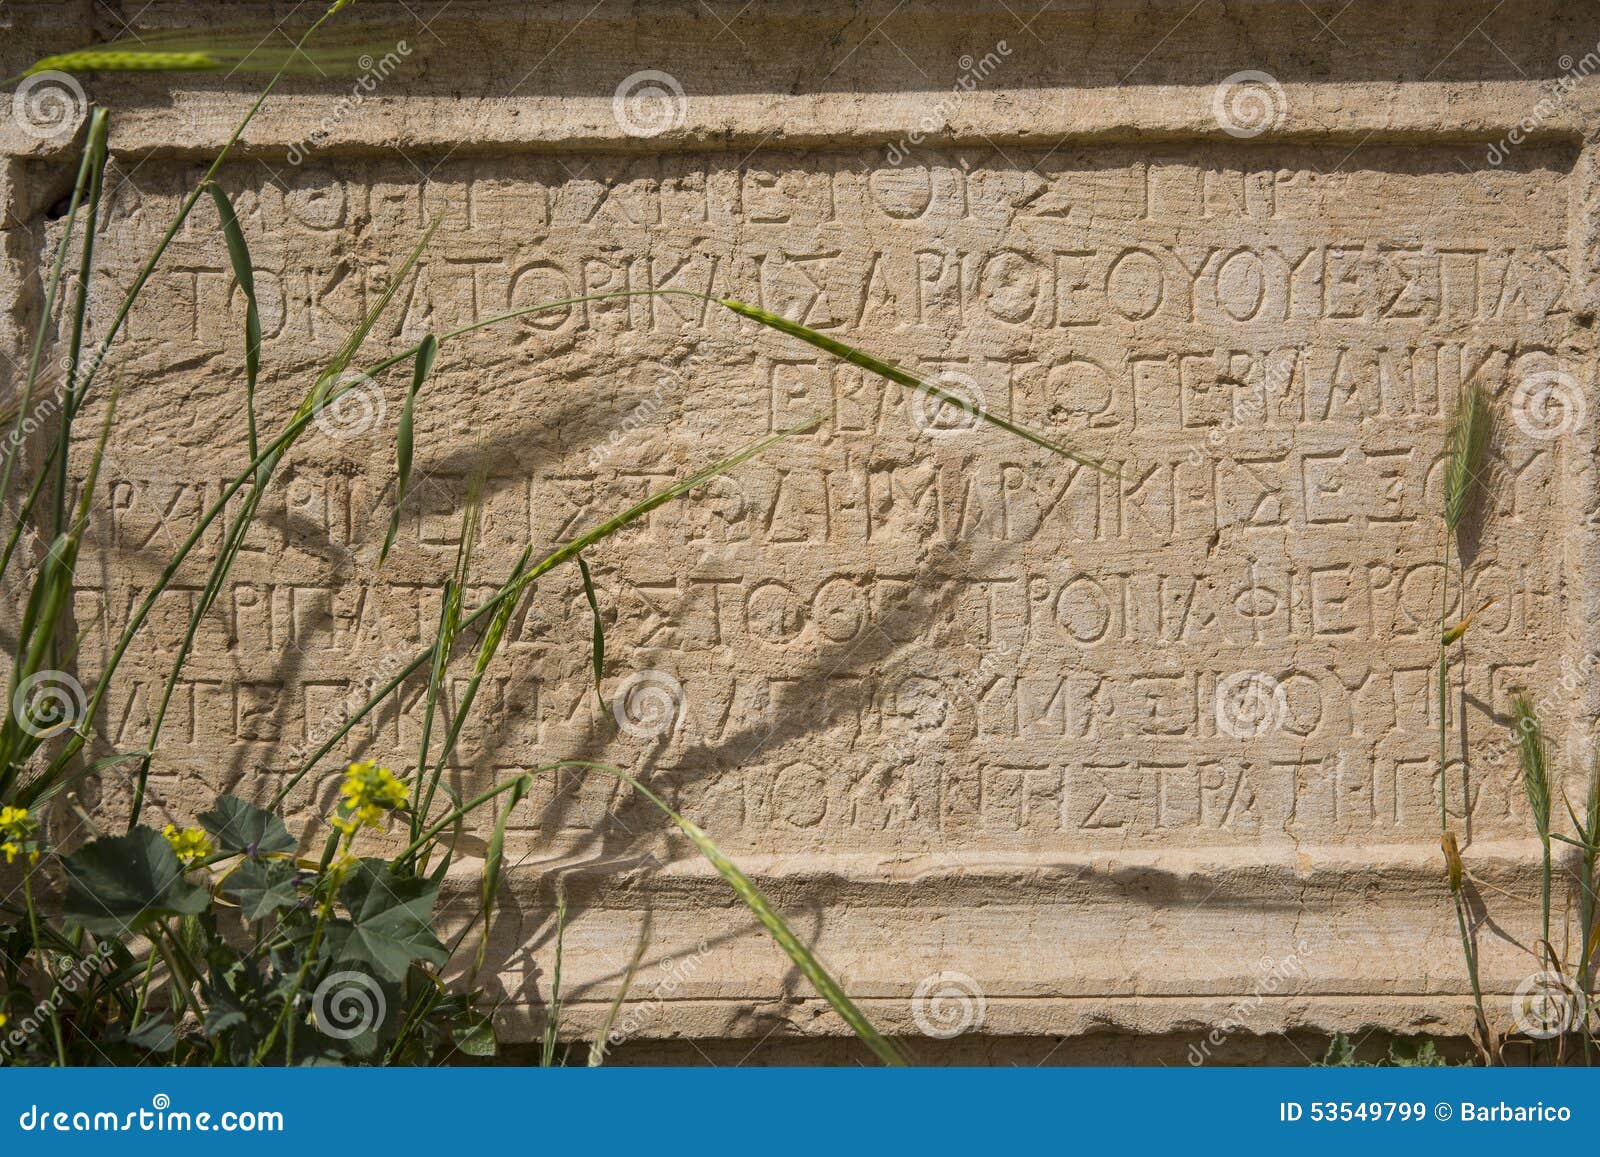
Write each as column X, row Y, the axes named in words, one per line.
column 1147, row 750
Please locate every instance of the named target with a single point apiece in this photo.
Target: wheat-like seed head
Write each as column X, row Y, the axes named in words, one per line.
column 125, row 60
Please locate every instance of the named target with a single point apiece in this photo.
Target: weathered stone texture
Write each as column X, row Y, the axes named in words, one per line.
column 961, row 706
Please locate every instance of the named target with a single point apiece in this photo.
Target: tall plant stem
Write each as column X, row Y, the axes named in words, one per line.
column 44, row 963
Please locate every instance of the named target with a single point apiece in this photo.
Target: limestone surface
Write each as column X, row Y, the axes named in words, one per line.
column 1023, row 747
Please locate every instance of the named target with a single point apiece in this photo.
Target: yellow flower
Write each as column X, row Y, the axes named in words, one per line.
column 15, row 829
column 367, row 794
column 3, row 1019
column 191, row 844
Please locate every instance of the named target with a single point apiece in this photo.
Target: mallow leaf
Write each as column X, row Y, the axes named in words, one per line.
column 262, row 888
column 238, row 826
column 390, row 924
column 118, row 883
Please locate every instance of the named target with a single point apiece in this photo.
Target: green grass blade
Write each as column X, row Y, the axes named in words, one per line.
column 602, row 1041
column 244, row 274
column 48, row 602
column 597, row 644
column 493, row 865
column 263, row 470
column 487, row 646
column 120, row 318
column 260, row 467
column 552, row 1023
column 443, row 645
column 768, row 916
column 513, row 588
column 901, row 377
column 1536, row 784
column 98, row 128
column 80, row 189
column 320, row 393
column 241, row 51
column 427, row 352
column 259, row 472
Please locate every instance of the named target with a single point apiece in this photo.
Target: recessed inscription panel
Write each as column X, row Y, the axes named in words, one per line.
column 899, row 632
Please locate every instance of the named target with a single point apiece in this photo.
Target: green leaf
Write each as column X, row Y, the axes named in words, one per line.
column 118, row 883
column 262, row 887
column 390, row 923
column 244, row 273
column 221, row 1017
column 405, row 436
column 522, row 578
column 1341, row 1053
column 154, row 1035
column 323, row 390
column 810, row 967
column 900, row 377
column 494, row 861
column 239, row 826
column 474, row 1035
column 598, row 643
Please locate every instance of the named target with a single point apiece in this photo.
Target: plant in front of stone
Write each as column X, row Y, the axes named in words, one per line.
column 1556, row 1003
column 212, row 944
column 1470, row 430
column 218, row 944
